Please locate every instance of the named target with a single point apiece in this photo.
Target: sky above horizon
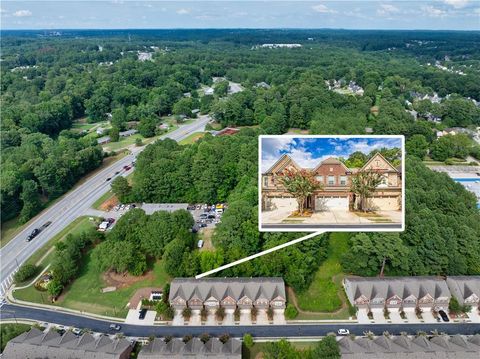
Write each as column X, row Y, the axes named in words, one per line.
column 309, row 152
column 352, row 14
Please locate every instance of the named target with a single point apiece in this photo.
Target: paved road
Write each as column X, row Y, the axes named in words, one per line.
column 11, row 311
column 74, row 204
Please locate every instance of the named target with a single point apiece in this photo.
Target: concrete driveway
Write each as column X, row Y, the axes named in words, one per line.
column 331, row 216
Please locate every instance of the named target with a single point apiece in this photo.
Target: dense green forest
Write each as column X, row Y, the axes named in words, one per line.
column 48, row 83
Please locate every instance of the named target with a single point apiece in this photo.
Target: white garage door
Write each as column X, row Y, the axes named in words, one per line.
column 326, row 203
column 385, row 203
column 284, row 203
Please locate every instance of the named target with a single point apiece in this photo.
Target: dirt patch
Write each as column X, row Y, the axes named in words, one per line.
column 207, row 239
column 113, row 279
column 109, row 203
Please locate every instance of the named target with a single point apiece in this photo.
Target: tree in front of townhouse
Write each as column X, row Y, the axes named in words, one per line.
column 363, row 185
column 300, row 184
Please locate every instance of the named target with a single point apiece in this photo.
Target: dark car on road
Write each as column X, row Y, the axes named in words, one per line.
column 444, row 316
column 46, row 224
column 109, row 178
column 142, row 314
column 32, row 235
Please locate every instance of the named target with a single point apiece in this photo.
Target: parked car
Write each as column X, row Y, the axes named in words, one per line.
column 142, row 314
column 202, row 225
column 116, row 327
column 203, row 216
column 126, row 168
column 76, row 331
column 116, row 208
column 211, row 216
column 46, row 224
column 200, row 243
column 444, row 316
column 108, row 179
column 32, row 235
column 343, row 332
column 111, row 220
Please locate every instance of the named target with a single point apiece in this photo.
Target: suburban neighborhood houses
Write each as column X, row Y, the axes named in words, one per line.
column 411, row 298
column 334, row 200
column 243, row 300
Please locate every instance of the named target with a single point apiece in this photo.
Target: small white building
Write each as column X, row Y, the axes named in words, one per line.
column 208, row 91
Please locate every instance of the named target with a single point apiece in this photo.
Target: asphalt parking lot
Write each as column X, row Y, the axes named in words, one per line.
column 205, row 216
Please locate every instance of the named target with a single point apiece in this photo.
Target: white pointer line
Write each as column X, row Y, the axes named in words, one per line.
column 270, row 250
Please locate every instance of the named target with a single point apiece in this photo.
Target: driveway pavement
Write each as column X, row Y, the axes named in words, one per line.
column 331, row 216
column 411, row 316
column 474, row 316
column 428, row 317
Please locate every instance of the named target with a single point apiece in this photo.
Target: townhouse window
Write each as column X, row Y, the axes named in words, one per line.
column 331, row 180
column 331, row 169
column 343, row 180
column 319, row 179
column 265, row 181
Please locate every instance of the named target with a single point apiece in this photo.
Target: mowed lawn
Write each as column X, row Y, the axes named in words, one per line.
column 85, row 292
column 194, row 137
column 325, row 294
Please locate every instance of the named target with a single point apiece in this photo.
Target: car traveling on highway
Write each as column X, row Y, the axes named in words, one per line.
column 32, row 235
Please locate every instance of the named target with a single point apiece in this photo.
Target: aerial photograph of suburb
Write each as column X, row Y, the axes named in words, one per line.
column 240, row 179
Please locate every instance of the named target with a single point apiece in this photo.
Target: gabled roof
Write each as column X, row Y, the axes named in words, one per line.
column 285, row 160
column 376, row 155
column 331, row 161
column 194, row 348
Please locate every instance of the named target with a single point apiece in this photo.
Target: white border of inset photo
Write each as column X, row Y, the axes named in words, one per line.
column 334, row 227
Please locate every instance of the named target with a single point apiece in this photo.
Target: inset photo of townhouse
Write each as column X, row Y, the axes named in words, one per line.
column 333, row 183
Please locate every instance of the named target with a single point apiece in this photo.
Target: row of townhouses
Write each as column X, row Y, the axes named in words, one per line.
column 335, row 178
column 404, row 293
column 194, row 348
column 403, row 347
column 50, row 344
column 230, row 293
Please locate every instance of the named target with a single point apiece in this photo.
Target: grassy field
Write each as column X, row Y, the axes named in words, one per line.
column 258, row 348
column 325, row 294
column 85, row 294
column 124, row 142
column 99, row 202
column 192, row 138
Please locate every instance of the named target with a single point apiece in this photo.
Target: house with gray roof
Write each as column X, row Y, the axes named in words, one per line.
column 229, row 293
column 397, row 293
column 194, row 348
column 37, row 344
column 404, row 347
column 466, row 289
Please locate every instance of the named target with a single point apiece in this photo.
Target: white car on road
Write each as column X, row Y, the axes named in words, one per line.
column 343, row 332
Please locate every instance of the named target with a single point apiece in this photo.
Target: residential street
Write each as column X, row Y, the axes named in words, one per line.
column 12, row 312
column 73, row 204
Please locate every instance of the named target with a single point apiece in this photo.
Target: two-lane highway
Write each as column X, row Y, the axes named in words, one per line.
column 71, row 206
column 16, row 312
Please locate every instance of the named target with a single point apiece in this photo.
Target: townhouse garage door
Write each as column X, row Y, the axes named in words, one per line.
column 325, row 203
column 285, row 203
column 386, row 203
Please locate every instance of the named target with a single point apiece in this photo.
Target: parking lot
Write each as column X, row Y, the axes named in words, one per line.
column 205, row 215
